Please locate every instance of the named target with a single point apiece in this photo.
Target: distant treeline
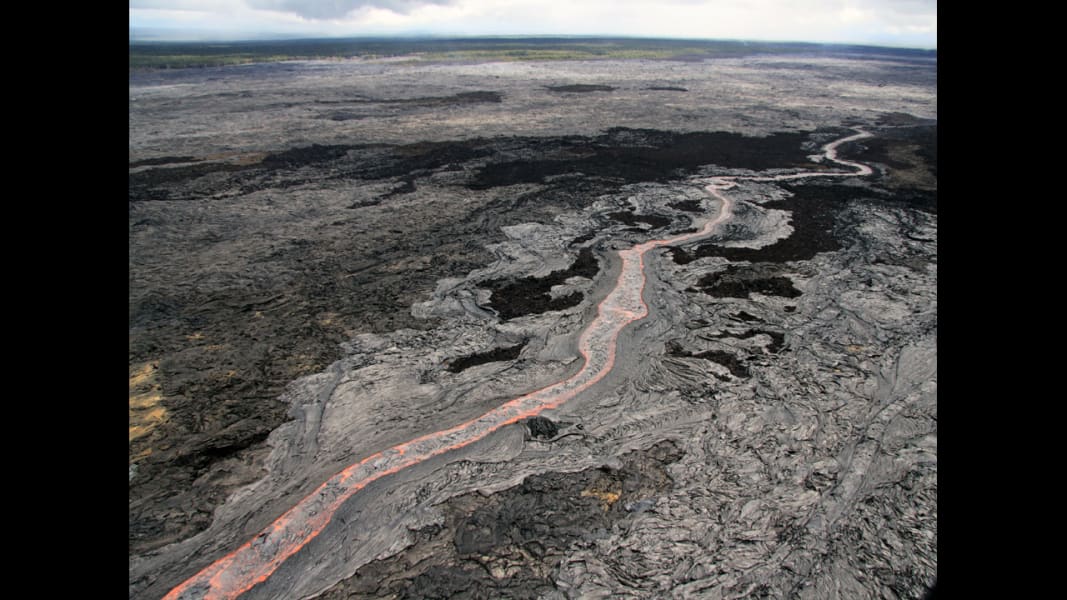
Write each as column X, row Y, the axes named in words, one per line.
column 164, row 55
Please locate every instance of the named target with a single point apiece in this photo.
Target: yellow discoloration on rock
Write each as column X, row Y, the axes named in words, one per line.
column 304, row 364
column 195, row 337
column 607, row 496
column 142, row 374
column 146, row 420
column 145, row 402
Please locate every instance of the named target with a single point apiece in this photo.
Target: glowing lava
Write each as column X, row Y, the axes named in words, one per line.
column 257, row 559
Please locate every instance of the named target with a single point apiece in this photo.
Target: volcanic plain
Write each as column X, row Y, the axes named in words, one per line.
column 329, row 259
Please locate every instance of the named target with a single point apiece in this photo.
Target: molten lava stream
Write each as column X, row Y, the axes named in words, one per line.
column 255, row 561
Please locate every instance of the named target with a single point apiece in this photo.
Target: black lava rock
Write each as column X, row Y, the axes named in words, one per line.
column 540, row 427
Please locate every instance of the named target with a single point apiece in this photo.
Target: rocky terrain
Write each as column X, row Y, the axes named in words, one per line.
column 328, row 259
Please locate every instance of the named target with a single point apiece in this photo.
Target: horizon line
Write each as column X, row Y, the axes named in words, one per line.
column 146, row 35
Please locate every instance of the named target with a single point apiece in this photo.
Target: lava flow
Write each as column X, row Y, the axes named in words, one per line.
column 257, row 559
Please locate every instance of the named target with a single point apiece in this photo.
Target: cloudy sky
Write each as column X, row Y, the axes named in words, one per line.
column 909, row 23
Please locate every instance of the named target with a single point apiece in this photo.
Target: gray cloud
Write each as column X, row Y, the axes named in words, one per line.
column 893, row 22
column 335, row 9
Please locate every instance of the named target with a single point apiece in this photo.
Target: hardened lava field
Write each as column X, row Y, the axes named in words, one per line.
column 331, row 258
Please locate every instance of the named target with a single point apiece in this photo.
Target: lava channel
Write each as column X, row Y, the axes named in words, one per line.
column 255, row 561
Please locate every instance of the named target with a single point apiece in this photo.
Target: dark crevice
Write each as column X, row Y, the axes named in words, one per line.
column 585, row 237
column 693, row 206
column 777, row 338
column 163, row 160
column 460, row 99
column 720, row 357
column 581, row 88
column 480, row 358
column 629, row 218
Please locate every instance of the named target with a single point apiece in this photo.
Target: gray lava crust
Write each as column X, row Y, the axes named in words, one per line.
column 353, row 254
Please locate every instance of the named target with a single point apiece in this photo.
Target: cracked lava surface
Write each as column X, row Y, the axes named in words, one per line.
column 257, row 559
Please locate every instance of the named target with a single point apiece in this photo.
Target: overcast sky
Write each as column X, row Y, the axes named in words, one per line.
column 909, row 23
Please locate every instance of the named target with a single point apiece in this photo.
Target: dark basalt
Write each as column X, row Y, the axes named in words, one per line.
column 879, row 148
column 163, row 160
column 545, row 203
column 407, row 187
column 903, row 149
column 721, row 357
column 301, row 166
column 635, row 155
column 585, row 237
column 531, row 295
column 740, row 281
column 306, row 156
column 581, row 88
column 693, row 206
column 814, row 212
column 480, row 358
column 816, row 206
column 258, row 334
column 362, row 161
column 243, row 287
column 618, row 157
column 777, row 337
column 460, row 99
column 148, row 180
column 343, row 115
column 526, row 530
column 629, row 218
column 684, row 230
column 542, row 427
column 777, row 341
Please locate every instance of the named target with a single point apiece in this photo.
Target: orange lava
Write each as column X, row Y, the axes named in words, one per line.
column 257, row 559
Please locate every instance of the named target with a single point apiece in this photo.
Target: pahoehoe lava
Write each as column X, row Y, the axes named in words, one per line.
column 518, row 531
column 225, row 342
column 292, row 315
column 257, row 559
